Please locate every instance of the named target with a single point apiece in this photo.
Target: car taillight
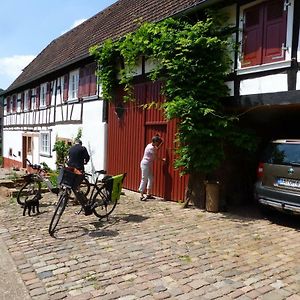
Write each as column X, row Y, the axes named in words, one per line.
column 260, row 170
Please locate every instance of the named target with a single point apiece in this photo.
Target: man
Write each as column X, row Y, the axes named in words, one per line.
column 78, row 156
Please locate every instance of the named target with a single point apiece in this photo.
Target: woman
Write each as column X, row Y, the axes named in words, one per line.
column 150, row 154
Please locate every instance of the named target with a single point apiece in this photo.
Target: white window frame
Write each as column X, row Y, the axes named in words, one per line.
column 45, row 143
column 26, row 100
column 43, row 93
column 33, row 99
column 5, row 105
column 73, row 85
column 19, row 102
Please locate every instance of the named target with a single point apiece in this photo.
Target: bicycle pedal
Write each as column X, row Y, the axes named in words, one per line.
column 88, row 211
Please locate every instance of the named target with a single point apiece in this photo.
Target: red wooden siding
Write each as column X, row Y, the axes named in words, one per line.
column 131, row 131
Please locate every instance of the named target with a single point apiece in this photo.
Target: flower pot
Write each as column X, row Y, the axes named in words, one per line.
column 212, row 198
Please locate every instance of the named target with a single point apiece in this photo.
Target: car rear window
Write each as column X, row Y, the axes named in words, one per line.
column 282, row 154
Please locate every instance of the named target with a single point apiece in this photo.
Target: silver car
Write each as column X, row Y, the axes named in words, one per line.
column 278, row 184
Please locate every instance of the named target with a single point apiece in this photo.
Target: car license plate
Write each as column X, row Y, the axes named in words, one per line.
column 293, row 183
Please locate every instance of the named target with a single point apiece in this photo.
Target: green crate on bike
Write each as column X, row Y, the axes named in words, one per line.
column 114, row 186
column 70, row 177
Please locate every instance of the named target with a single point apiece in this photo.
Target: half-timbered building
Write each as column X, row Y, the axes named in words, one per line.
column 57, row 93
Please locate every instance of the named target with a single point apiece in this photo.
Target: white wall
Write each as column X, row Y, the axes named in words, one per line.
column 93, row 134
column 15, row 143
column 266, row 84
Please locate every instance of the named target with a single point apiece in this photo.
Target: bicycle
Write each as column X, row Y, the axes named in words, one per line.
column 101, row 202
column 33, row 184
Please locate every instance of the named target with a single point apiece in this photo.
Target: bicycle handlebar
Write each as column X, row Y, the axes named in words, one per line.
column 33, row 166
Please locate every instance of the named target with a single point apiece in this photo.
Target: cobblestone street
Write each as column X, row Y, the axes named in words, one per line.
column 153, row 250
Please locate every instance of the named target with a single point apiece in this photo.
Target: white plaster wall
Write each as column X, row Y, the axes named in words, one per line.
column 13, row 140
column 93, row 134
column 266, row 84
column 298, row 81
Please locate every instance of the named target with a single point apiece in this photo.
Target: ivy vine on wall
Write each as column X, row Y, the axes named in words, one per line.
column 193, row 60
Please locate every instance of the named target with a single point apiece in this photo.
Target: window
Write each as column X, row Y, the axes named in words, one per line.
column 73, row 85
column 264, row 33
column 33, row 99
column 43, row 92
column 26, row 101
column 19, row 102
column 45, row 143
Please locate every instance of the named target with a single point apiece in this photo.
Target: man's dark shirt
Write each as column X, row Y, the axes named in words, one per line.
column 78, row 156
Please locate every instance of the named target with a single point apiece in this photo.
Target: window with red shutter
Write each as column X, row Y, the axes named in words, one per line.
column 14, row 103
column 252, row 48
column 275, row 24
column 83, row 82
column 93, row 79
column 37, row 90
column 48, row 94
column 66, row 87
column 8, row 104
column 264, row 33
column 22, row 101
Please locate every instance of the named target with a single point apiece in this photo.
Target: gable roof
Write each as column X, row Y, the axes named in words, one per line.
column 115, row 21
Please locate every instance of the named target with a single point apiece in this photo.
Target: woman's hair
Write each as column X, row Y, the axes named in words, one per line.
column 156, row 139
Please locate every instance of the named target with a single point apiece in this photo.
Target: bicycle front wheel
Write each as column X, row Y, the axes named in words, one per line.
column 60, row 207
column 28, row 191
column 103, row 205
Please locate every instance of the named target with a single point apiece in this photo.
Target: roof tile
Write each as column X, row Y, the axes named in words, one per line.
column 115, row 21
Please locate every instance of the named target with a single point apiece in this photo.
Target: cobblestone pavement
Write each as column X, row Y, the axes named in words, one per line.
column 153, row 250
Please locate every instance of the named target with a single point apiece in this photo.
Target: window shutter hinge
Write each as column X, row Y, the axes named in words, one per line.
column 284, row 47
column 286, row 4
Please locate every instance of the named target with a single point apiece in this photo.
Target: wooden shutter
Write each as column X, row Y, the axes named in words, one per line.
column 14, row 104
column 48, row 94
column 252, row 36
column 66, row 87
column 29, row 98
column 82, row 89
column 275, row 25
column 93, row 79
column 22, row 101
column 37, row 97
column 8, row 104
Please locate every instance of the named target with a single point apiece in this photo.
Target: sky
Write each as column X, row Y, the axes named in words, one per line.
column 27, row 27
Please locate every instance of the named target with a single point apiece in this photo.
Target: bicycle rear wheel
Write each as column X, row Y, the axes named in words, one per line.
column 103, row 205
column 28, row 191
column 60, row 207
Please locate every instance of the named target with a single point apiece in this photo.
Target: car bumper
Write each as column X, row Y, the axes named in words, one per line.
column 280, row 200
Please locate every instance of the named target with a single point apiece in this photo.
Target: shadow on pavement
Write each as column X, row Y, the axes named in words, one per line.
column 70, row 232
column 134, row 218
column 252, row 213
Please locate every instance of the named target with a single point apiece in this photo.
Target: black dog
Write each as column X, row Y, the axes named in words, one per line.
column 32, row 204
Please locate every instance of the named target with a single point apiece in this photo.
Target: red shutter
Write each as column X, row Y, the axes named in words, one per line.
column 14, row 103
column 37, row 97
column 48, row 94
column 252, row 37
column 82, row 82
column 22, row 101
column 275, row 25
column 29, row 99
column 93, row 80
column 8, row 104
column 66, row 87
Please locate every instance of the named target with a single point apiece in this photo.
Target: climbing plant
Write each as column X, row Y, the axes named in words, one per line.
column 193, row 60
